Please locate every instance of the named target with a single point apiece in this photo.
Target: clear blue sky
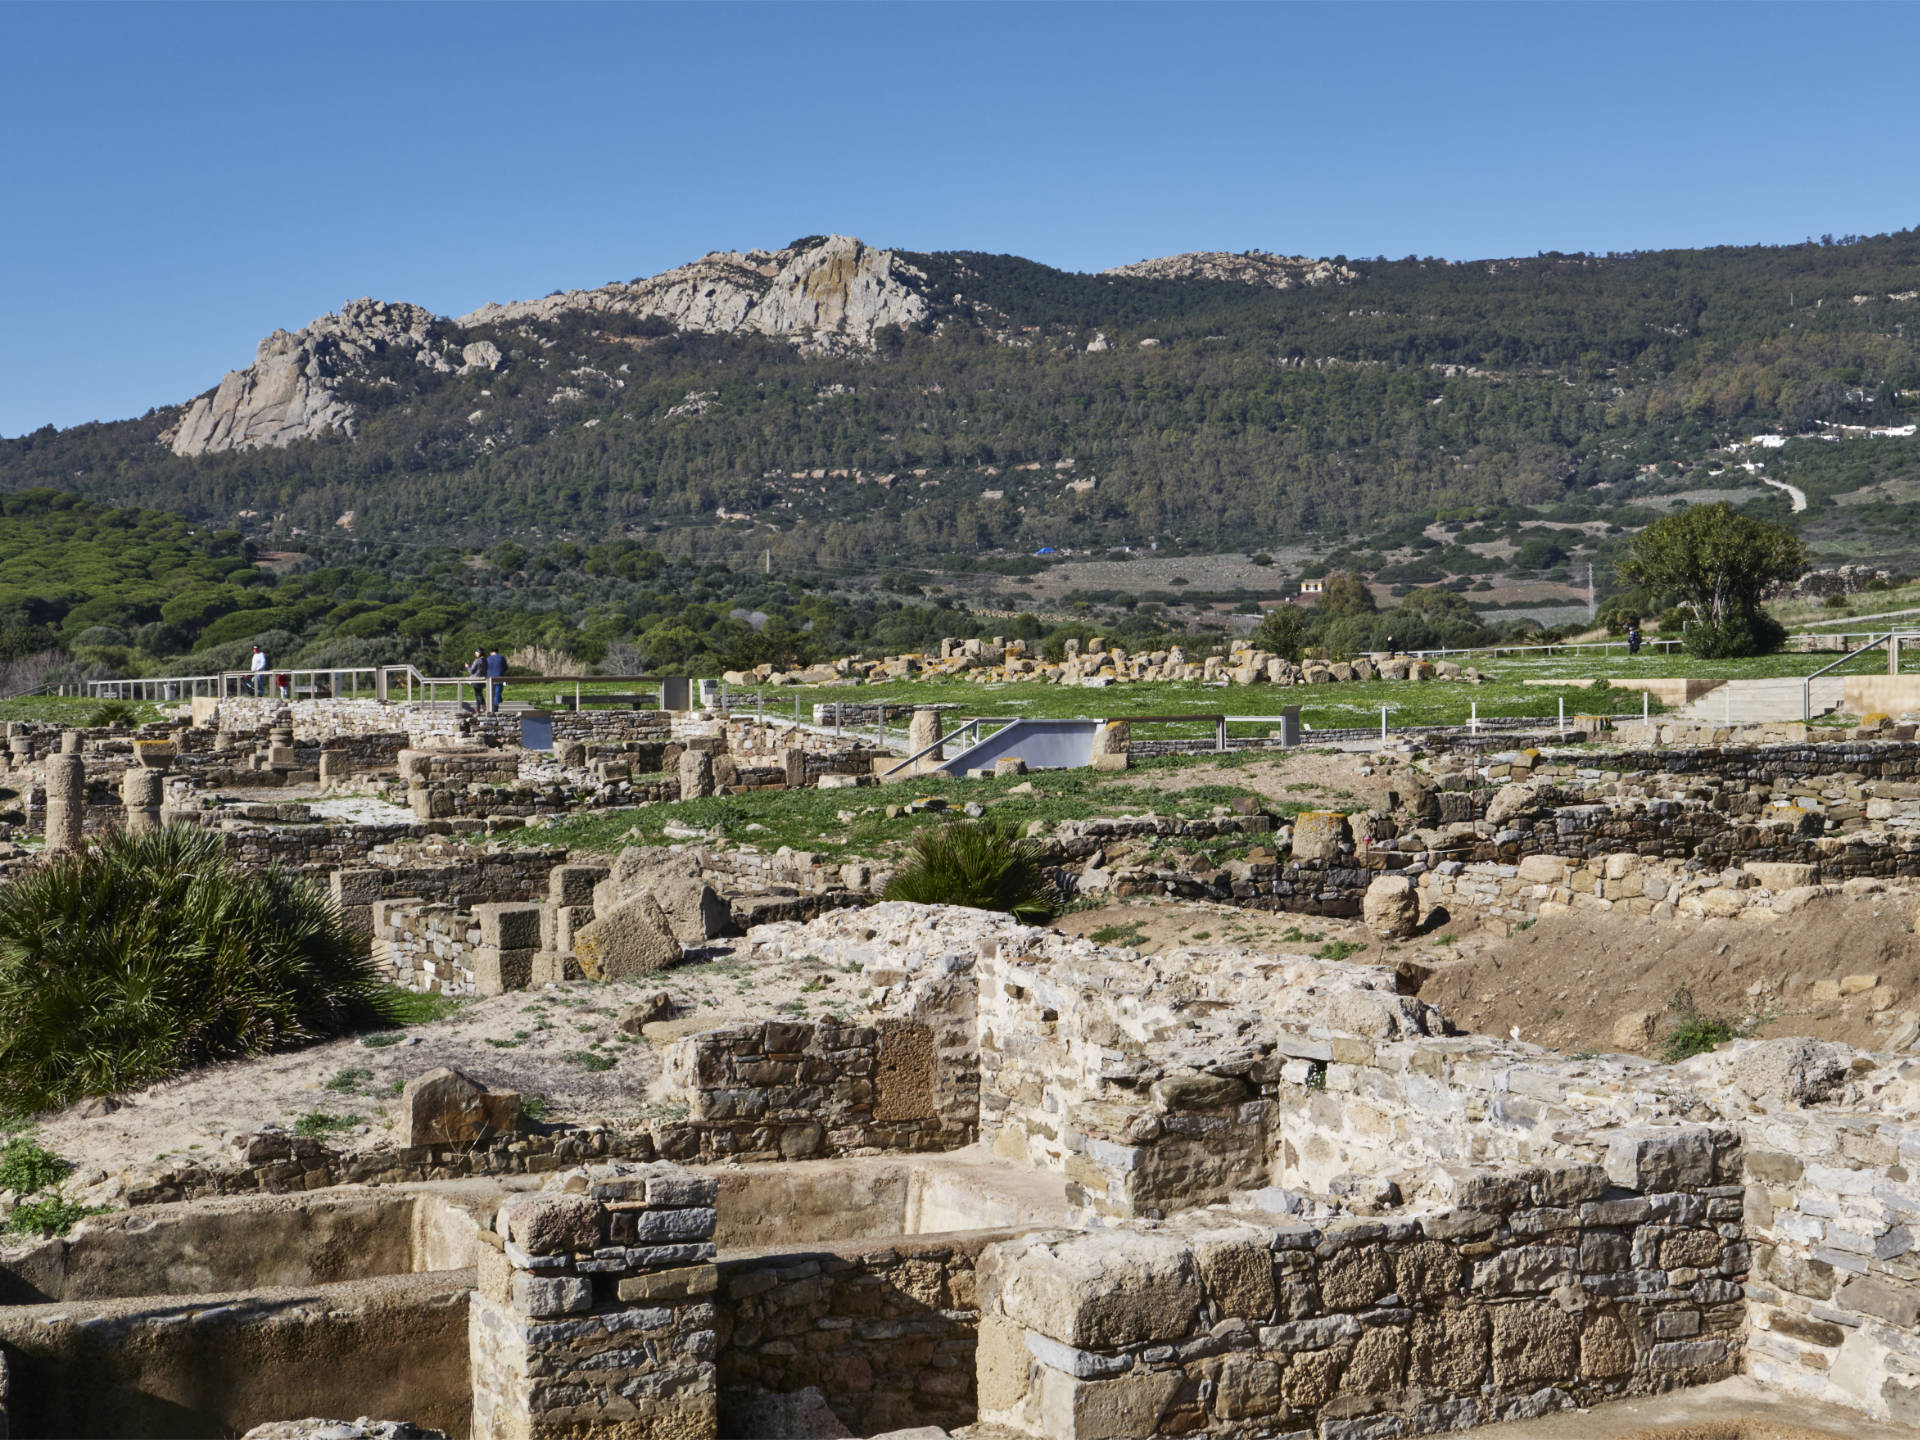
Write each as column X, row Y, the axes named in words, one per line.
column 181, row 179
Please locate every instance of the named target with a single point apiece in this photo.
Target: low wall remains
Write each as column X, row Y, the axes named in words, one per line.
column 1834, row 1298
column 797, row 1089
column 885, row 1332
column 1549, row 1288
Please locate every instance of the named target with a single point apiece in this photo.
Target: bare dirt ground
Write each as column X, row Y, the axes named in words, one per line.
column 562, row 1044
column 1318, row 779
column 1568, row 980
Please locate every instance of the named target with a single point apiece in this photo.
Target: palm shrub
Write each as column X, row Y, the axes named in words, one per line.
column 981, row 864
column 145, row 955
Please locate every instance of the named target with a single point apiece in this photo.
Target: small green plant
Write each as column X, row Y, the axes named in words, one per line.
column 349, row 1081
column 26, row 1167
column 380, row 1039
column 48, row 1215
column 587, row 1060
column 1294, row 935
column 319, row 1125
column 535, row 1107
column 980, row 864
column 1129, row 934
column 1339, row 949
column 1526, row 924
column 1694, row 1032
column 814, row 986
column 1201, row 935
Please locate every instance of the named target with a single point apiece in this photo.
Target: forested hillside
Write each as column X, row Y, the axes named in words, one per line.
column 1194, row 413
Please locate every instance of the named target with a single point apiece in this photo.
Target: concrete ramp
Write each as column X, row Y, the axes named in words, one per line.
column 1753, row 702
column 1042, row 744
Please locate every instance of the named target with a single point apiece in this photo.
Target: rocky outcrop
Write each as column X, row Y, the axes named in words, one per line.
column 1255, row 267
column 289, row 392
column 830, row 294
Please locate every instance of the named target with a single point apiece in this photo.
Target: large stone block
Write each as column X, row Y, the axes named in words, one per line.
column 573, row 884
column 1319, row 834
column 634, row 938
column 1654, row 1160
column 446, row 1107
column 551, row 1224
column 497, row 972
column 1104, row 1290
column 509, row 926
column 1391, row 907
column 1534, row 1345
column 1123, row 1409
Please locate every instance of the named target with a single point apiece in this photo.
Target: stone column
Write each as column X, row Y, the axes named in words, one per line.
column 922, row 731
column 696, row 774
column 141, row 791
column 66, row 796
column 593, row 1314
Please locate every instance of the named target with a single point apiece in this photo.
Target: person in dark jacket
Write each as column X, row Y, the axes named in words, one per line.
column 477, row 668
column 496, row 671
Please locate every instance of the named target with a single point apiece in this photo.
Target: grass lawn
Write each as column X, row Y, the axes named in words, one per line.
column 813, row 819
column 76, row 709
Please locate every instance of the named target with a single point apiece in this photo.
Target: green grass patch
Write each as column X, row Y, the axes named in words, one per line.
column 319, row 1124
column 78, row 710
column 349, row 1081
column 412, row 1007
column 1130, row 934
column 1339, row 949
column 588, row 1060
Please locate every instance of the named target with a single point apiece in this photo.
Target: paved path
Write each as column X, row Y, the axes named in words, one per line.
column 1794, row 493
column 1748, row 702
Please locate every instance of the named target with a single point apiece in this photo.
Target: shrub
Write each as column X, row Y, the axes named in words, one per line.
column 1695, row 1032
column 145, row 955
column 977, row 863
column 112, row 712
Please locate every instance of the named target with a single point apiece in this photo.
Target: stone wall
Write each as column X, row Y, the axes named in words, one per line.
column 426, row 948
column 1546, row 1289
column 1834, row 1298
column 219, row 1364
column 884, row 1330
column 800, row 1089
column 594, row 1313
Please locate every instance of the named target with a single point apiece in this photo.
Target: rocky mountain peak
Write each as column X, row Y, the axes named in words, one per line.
column 288, row 393
column 1255, row 267
column 829, row 293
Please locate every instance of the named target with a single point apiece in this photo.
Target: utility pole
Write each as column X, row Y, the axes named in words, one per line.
column 766, row 561
column 1593, row 610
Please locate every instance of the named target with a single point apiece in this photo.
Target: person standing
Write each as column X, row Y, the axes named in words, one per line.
column 259, row 671
column 496, row 672
column 1633, row 638
column 477, row 669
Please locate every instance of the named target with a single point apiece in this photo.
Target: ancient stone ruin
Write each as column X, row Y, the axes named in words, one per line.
column 1007, row 1181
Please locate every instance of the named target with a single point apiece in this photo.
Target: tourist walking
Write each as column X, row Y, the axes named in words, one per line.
column 259, row 668
column 477, row 669
column 496, row 671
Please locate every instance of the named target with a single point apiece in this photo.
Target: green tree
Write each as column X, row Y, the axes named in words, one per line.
column 1345, row 594
column 1715, row 563
column 1283, row 632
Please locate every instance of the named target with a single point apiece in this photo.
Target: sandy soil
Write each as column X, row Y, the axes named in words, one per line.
column 1568, row 980
column 529, row 1041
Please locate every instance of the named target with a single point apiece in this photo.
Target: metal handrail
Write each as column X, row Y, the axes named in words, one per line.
column 1806, row 685
column 959, row 730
